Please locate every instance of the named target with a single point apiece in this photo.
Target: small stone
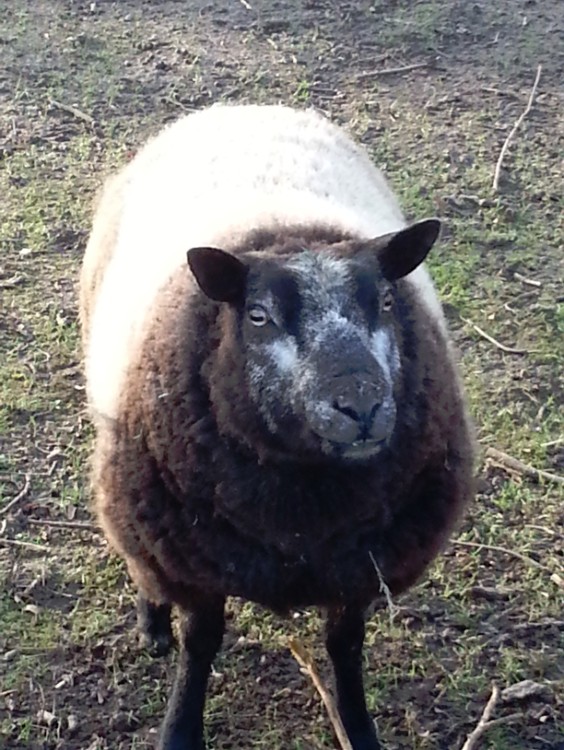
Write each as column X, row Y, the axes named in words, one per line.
column 33, row 608
column 490, row 593
column 46, row 718
column 72, row 723
column 527, row 689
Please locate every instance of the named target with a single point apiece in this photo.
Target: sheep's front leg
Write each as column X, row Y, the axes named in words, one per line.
column 344, row 638
column 202, row 630
column 153, row 623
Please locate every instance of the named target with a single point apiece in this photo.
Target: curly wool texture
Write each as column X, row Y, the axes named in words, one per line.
column 189, row 501
column 210, row 179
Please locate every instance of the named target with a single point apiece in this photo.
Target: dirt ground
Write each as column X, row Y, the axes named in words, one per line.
column 432, row 89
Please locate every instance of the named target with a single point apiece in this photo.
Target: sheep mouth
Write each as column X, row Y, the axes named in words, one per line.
column 359, row 449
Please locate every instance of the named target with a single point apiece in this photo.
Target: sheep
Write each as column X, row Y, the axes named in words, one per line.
column 277, row 408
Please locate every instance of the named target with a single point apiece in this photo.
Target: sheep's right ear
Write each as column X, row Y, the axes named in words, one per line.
column 409, row 247
column 220, row 275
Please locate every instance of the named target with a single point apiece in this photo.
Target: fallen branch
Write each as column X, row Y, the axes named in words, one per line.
column 62, row 524
column 12, row 282
column 495, row 342
column 27, row 545
column 491, row 90
column 78, row 113
column 506, row 550
column 551, row 443
column 305, row 660
column 20, row 496
column 391, row 71
column 513, row 464
column 525, row 280
column 480, row 728
column 486, row 722
column 495, row 184
column 546, row 530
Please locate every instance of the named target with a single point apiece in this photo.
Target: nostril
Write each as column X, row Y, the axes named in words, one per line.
column 347, row 410
column 373, row 413
column 364, row 416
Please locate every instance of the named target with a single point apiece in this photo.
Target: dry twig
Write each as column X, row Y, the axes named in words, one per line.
column 75, row 111
column 391, row 71
column 551, row 443
column 82, row 526
column 525, row 280
column 546, row 530
column 305, row 660
column 27, row 545
column 504, row 461
column 384, row 589
column 495, row 184
column 20, row 496
column 495, row 342
column 486, row 722
column 12, row 282
column 506, row 550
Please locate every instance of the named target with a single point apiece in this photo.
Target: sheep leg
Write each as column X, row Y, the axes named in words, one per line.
column 202, row 631
column 344, row 638
column 153, row 623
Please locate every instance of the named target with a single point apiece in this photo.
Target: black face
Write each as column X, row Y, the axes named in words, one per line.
column 320, row 338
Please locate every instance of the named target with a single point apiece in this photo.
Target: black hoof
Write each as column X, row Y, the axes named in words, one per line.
column 365, row 741
column 155, row 631
column 175, row 739
column 157, row 645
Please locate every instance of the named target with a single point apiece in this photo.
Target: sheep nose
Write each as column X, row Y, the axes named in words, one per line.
column 353, row 408
column 361, row 408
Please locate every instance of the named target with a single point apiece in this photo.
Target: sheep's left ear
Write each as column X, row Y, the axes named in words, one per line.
column 406, row 249
column 220, row 275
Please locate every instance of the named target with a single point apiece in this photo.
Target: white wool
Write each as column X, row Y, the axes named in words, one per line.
column 207, row 180
column 284, row 352
column 326, row 271
column 385, row 351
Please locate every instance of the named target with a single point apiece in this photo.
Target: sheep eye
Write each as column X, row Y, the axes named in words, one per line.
column 258, row 315
column 387, row 301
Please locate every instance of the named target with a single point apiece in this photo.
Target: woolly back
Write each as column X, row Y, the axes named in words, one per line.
column 208, row 180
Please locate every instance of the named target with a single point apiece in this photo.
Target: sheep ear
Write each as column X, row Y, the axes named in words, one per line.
column 409, row 247
column 220, row 275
